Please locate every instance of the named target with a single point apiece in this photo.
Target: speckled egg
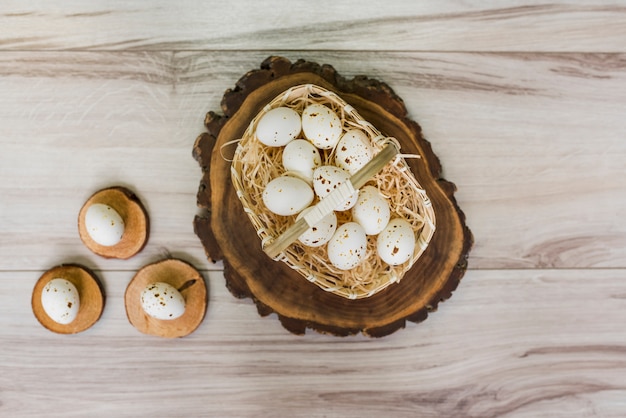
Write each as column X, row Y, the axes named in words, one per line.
column 327, row 178
column 301, row 158
column 353, row 151
column 396, row 243
column 348, row 246
column 371, row 210
column 104, row 225
column 278, row 127
column 321, row 126
column 320, row 233
column 60, row 300
column 162, row 301
column 287, row 195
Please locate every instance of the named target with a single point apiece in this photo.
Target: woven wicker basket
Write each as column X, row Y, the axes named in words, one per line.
column 254, row 165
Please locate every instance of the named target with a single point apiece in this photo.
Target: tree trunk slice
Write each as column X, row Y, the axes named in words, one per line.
column 227, row 234
column 183, row 277
column 91, row 298
column 132, row 212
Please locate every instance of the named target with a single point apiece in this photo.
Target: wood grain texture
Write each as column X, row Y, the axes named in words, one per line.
column 450, row 25
column 275, row 286
column 534, row 143
column 487, row 354
column 90, row 297
column 136, row 223
column 524, row 103
column 181, row 276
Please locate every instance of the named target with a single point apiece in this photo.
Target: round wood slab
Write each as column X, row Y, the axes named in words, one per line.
column 227, row 234
column 136, row 222
column 183, row 277
column 90, row 293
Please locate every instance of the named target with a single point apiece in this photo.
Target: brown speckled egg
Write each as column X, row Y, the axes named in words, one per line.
column 278, row 127
column 353, row 151
column 162, row 301
column 371, row 210
column 60, row 301
column 347, row 247
column 327, row 178
column 396, row 243
column 287, row 195
column 321, row 126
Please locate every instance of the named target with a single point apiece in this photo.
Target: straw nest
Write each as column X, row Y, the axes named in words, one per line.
column 254, row 165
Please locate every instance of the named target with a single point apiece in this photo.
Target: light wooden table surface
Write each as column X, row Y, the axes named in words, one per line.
column 523, row 101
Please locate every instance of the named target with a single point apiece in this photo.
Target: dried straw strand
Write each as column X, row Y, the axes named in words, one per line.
column 254, row 165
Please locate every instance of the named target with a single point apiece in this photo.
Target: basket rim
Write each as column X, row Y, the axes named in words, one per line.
column 351, row 117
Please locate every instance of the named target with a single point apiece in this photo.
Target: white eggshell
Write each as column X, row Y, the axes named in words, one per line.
column 104, row 225
column 320, row 233
column 396, row 243
column 327, row 178
column 321, row 126
column 60, row 301
column 278, row 127
column 347, row 247
column 301, row 157
column 162, row 301
column 371, row 210
column 353, row 151
column 287, row 195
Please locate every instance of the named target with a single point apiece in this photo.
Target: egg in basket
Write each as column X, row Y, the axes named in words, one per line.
column 329, row 195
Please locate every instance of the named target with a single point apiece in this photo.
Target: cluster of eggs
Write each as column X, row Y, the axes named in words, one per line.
column 60, row 299
column 159, row 300
column 304, row 139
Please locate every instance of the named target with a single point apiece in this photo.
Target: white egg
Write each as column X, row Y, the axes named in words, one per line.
column 60, row 300
column 301, row 157
column 320, row 233
column 321, row 126
column 278, row 127
column 287, row 195
column 396, row 243
column 162, row 301
column 353, row 151
column 371, row 210
column 104, row 225
column 327, row 178
column 348, row 246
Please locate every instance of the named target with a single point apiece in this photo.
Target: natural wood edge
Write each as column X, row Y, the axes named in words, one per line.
column 202, row 228
column 275, row 67
column 460, row 268
column 176, row 273
column 136, row 220
column 373, row 90
column 91, row 293
column 235, row 284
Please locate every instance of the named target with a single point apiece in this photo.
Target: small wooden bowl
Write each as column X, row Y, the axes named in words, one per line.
column 90, row 293
column 181, row 276
column 136, row 223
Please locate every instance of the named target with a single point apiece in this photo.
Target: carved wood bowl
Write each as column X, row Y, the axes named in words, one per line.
column 227, row 234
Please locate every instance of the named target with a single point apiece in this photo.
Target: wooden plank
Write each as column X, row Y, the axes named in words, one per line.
column 534, row 142
column 75, row 123
column 508, row 343
column 451, row 25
